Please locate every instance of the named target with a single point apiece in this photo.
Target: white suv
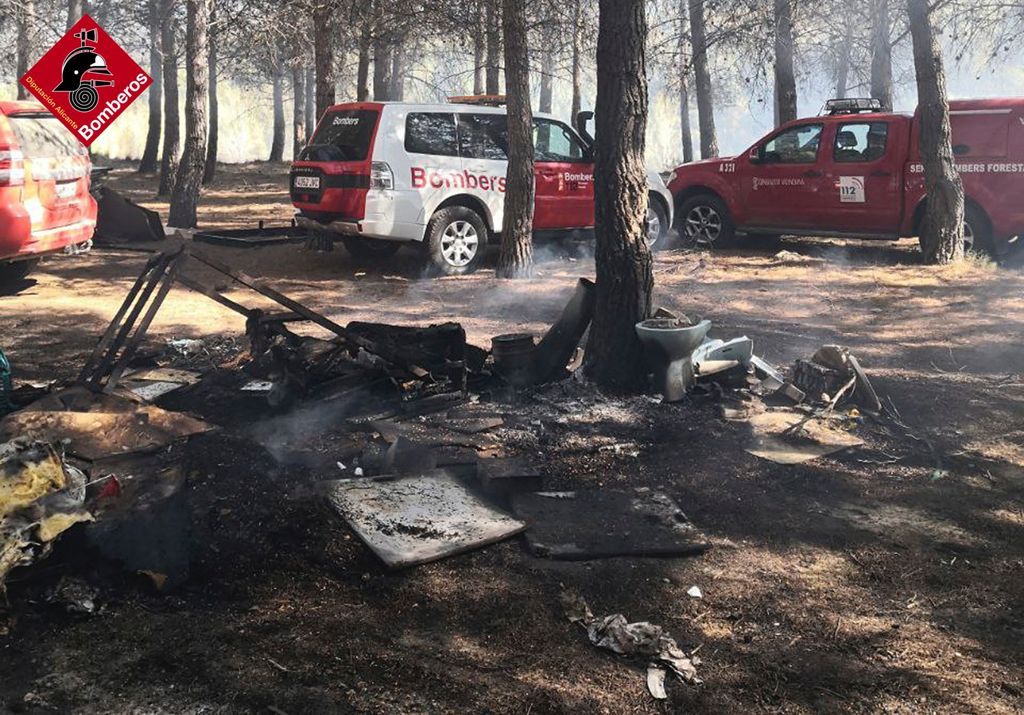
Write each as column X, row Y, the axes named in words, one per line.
column 377, row 174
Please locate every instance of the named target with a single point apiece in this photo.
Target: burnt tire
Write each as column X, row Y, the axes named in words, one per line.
column 703, row 221
column 17, row 271
column 657, row 224
column 456, row 240
column 370, row 249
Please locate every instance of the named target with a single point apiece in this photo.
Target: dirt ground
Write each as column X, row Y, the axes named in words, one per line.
column 881, row 579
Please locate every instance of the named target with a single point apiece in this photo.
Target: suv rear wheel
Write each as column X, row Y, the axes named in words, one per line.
column 17, row 271
column 456, row 240
column 704, row 222
column 977, row 231
column 370, row 249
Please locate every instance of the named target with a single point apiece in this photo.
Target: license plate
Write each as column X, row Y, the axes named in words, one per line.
column 307, row 182
column 66, row 191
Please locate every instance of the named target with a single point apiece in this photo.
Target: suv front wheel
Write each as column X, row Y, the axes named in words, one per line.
column 456, row 240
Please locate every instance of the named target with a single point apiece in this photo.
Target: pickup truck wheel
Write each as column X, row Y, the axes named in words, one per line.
column 370, row 249
column 17, row 271
column 657, row 224
column 977, row 231
column 456, row 240
column 704, row 222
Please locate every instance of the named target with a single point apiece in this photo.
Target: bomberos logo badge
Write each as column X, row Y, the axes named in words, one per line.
column 86, row 80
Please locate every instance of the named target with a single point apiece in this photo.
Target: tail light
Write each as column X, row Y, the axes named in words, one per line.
column 12, row 167
column 381, row 176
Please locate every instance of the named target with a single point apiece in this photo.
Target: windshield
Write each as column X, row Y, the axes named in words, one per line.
column 43, row 136
column 343, row 135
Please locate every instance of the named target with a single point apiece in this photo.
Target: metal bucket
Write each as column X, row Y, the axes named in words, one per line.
column 513, row 357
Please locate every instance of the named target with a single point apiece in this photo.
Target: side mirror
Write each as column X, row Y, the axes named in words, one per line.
column 581, row 120
column 754, row 156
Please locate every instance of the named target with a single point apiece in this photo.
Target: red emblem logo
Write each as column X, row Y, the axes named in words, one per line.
column 86, row 80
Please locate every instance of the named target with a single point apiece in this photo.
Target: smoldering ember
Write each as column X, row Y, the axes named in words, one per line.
column 495, row 356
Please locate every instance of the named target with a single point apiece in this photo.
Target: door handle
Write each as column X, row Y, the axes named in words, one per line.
column 812, row 173
column 881, row 173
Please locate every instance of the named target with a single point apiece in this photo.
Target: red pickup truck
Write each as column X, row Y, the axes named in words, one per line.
column 45, row 204
column 856, row 172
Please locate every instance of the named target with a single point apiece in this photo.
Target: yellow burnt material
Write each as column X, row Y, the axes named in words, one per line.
column 27, row 475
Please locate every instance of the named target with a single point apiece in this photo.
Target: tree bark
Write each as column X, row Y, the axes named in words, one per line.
column 881, row 55
column 516, row 257
column 25, row 25
column 942, row 227
column 843, row 62
column 614, row 357
column 493, row 35
column 210, row 165
column 76, row 8
column 323, row 50
column 310, row 102
column 277, row 142
column 172, row 125
column 702, row 85
column 185, row 197
column 381, row 70
column 577, row 61
column 479, row 48
column 685, row 55
column 299, row 131
column 363, row 68
column 785, row 79
column 151, row 153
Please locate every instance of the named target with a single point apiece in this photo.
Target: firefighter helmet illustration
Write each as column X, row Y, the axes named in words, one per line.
column 78, row 75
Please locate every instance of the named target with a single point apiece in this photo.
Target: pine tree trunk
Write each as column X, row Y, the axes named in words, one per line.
column 381, row 70
column 685, row 54
column 310, row 102
column 298, row 112
column 25, row 24
column 843, row 62
column 151, row 153
column 577, row 62
column 942, row 228
column 702, row 85
column 493, row 35
column 185, row 197
column 479, row 48
column 172, row 122
column 516, row 257
column 363, row 68
column 785, row 79
column 277, row 141
column 323, row 50
column 881, row 55
column 546, row 88
column 76, row 8
column 210, row 165
column 397, row 91
column 614, row 357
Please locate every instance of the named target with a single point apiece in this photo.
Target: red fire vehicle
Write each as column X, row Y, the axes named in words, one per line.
column 856, row 172
column 45, row 204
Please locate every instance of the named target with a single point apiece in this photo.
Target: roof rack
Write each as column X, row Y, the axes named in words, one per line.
column 853, row 105
column 486, row 100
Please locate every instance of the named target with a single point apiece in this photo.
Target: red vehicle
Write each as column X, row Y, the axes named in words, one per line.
column 856, row 172
column 45, row 204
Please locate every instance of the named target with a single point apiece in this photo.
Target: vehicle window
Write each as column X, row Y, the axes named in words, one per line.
column 860, row 141
column 432, row 133
column 343, row 135
column 553, row 141
column 798, row 145
column 43, row 136
column 483, row 136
